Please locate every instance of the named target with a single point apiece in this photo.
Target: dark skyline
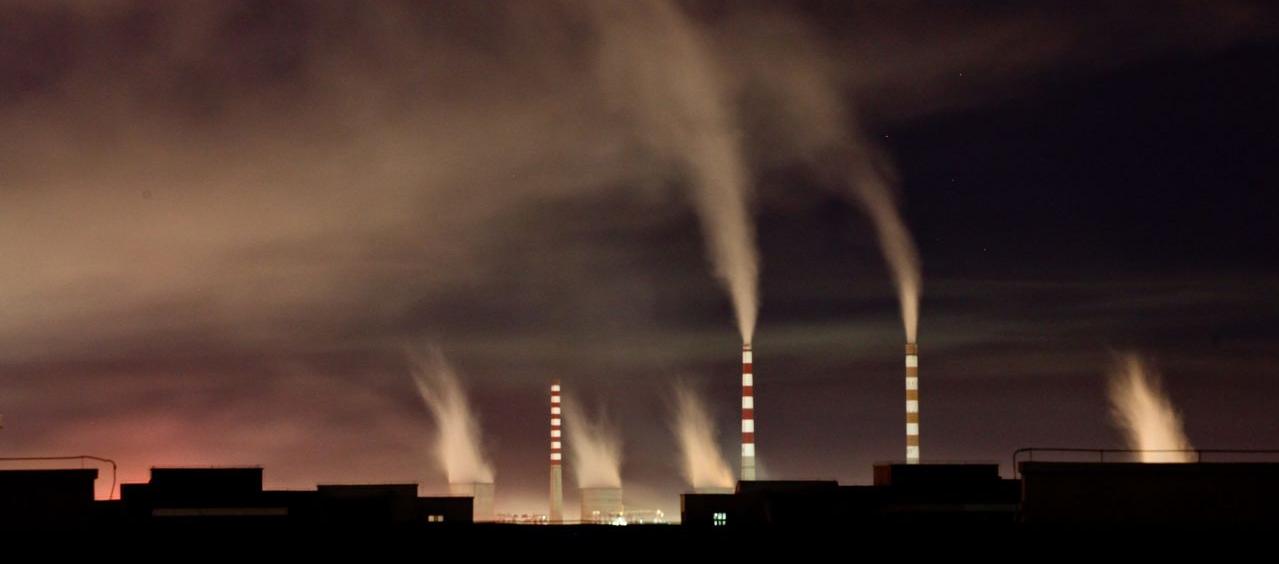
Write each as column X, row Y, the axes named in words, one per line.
column 222, row 224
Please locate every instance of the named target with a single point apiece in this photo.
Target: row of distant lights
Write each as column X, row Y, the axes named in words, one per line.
column 617, row 519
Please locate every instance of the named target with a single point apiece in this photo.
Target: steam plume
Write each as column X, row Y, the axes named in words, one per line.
column 704, row 466
column 595, row 448
column 658, row 62
column 871, row 185
column 1144, row 413
column 458, row 445
column 815, row 122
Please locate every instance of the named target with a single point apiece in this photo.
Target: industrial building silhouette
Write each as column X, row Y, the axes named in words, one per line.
column 194, row 498
column 1043, row 496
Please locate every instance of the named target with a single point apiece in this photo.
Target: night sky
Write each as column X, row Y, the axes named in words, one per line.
column 225, row 226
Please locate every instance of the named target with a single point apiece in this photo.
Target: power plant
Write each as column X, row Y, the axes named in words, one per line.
column 748, row 415
column 557, row 457
column 1043, row 493
column 246, row 232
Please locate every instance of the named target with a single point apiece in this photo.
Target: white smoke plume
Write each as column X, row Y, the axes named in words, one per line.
column 656, row 64
column 811, row 119
column 703, row 463
column 871, row 185
column 1144, row 413
column 594, row 446
column 458, row 446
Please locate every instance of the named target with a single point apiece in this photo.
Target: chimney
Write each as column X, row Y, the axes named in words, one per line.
column 748, row 416
column 557, row 476
column 912, row 403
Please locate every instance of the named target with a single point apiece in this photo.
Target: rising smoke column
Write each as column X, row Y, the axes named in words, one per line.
column 868, row 178
column 458, row 443
column 595, row 448
column 838, row 148
column 703, row 465
column 1143, row 411
column 810, row 118
column 870, row 182
column 656, row 65
column 820, row 127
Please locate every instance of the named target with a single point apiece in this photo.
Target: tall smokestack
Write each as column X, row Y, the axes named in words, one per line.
column 557, row 476
column 912, row 403
column 748, row 415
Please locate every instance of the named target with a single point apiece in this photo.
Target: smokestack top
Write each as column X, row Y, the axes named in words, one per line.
column 912, row 348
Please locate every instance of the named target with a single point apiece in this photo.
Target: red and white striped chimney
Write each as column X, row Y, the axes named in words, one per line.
column 912, row 403
column 748, row 415
column 557, row 476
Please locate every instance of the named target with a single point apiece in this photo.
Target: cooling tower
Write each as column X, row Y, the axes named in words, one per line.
column 601, row 505
column 481, row 494
column 557, row 473
column 912, row 403
column 748, row 416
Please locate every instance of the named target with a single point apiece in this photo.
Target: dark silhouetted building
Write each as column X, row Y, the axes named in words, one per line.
column 386, row 505
column 943, row 494
column 194, row 496
column 47, row 499
column 1099, row 494
column 925, row 494
column 212, row 497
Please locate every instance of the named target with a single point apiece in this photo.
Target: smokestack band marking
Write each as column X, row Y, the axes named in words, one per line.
column 557, row 477
column 748, row 414
column 555, row 425
column 912, row 403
